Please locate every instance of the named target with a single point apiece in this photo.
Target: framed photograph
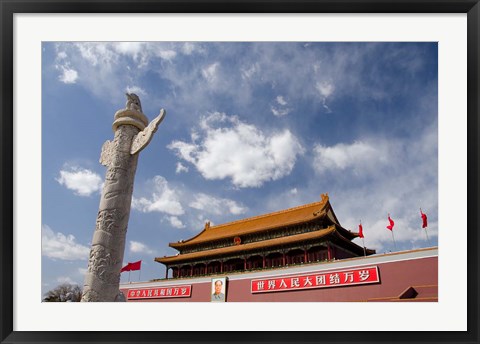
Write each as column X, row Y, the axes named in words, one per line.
column 370, row 106
column 219, row 289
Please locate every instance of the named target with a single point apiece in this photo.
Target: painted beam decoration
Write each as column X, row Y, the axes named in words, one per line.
column 160, row 292
column 339, row 278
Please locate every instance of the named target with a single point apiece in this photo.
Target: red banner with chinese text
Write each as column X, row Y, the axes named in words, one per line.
column 338, row 278
column 160, row 292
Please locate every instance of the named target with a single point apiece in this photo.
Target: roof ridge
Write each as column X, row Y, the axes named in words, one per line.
column 323, row 201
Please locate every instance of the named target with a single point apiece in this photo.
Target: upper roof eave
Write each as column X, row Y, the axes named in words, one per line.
column 300, row 214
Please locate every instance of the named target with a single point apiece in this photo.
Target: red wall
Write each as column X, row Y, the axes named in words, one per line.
column 395, row 278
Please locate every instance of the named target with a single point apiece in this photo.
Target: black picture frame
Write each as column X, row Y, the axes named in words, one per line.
column 10, row 7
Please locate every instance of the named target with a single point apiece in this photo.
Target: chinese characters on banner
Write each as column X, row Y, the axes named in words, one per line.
column 162, row 292
column 317, row 280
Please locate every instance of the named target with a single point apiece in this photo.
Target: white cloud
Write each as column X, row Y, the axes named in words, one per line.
column 175, row 222
column 163, row 199
column 61, row 246
column 289, row 198
column 280, row 100
column 137, row 90
column 65, row 279
column 138, row 51
column 68, row 76
column 188, row 48
column 120, row 63
column 218, row 206
column 280, row 109
column 194, row 136
column 248, row 73
column 129, row 48
column 82, row 181
column 328, row 72
column 171, row 200
column 325, row 88
column 181, row 168
column 82, row 271
column 232, row 149
column 279, row 112
column 197, row 223
column 97, row 53
column 138, row 247
column 61, row 55
column 167, row 54
column 402, row 177
column 358, row 156
column 210, row 72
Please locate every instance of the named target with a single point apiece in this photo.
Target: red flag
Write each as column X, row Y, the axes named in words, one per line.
column 136, row 265
column 424, row 219
column 360, row 231
column 390, row 226
column 132, row 266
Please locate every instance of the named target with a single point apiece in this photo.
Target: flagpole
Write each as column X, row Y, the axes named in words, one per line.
column 128, row 276
column 390, row 227
column 393, row 237
column 139, row 273
column 363, row 241
column 428, row 240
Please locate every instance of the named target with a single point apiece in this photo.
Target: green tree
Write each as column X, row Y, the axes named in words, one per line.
column 65, row 292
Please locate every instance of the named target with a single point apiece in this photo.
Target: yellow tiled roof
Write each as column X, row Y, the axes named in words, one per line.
column 291, row 216
column 248, row 247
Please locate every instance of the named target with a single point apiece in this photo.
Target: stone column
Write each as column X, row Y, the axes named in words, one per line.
column 120, row 156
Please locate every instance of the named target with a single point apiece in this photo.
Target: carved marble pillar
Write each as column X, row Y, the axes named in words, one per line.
column 120, row 156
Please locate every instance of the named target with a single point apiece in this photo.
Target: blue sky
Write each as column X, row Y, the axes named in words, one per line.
column 250, row 128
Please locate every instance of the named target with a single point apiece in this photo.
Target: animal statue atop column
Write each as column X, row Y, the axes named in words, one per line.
column 132, row 134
